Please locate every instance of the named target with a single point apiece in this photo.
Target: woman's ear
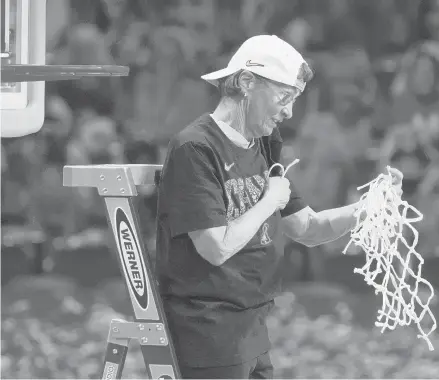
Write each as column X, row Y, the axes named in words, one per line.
column 247, row 81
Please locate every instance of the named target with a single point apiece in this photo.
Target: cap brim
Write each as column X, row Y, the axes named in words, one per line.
column 213, row 77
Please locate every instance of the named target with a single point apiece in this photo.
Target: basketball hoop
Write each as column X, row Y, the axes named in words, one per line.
column 24, row 70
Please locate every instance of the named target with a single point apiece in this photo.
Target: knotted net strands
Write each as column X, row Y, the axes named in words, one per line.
column 384, row 222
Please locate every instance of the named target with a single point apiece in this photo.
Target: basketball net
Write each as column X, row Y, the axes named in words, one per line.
column 382, row 223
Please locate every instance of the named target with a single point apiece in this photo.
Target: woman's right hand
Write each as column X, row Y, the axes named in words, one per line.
column 278, row 192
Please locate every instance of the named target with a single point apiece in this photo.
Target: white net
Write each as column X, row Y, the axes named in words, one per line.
column 382, row 229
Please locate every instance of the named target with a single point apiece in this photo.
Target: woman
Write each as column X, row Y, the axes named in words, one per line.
column 221, row 216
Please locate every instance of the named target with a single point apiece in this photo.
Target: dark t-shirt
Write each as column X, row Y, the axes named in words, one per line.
column 216, row 314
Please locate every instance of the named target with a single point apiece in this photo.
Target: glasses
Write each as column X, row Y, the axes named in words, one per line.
column 283, row 96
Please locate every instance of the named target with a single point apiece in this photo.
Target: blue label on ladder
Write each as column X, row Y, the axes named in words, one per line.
column 132, row 259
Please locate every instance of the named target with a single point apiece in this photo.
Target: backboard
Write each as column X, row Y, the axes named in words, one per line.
column 23, row 41
column 23, row 68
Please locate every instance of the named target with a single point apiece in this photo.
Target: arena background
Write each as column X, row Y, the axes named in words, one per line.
column 60, row 282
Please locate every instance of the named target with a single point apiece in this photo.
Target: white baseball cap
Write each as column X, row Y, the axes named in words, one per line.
column 267, row 56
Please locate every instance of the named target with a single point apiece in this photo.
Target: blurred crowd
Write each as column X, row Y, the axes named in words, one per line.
column 374, row 100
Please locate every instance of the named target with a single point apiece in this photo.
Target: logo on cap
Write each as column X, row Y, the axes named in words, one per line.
column 249, row 63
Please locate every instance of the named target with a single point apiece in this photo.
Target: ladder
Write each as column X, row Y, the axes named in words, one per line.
column 117, row 184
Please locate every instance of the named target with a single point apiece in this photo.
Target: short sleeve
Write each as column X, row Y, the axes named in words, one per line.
column 191, row 191
column 272, row 148
column 296, row 202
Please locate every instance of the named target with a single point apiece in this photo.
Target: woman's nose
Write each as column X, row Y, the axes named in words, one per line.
column 287, row 111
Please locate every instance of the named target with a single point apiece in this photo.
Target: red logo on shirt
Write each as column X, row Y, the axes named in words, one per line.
column 265, row 238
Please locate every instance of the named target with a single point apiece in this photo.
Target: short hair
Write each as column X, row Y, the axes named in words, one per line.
column 229, row 86
column 306, row 74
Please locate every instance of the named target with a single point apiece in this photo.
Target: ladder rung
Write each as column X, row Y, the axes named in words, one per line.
column 89, row 175
column 111, row 180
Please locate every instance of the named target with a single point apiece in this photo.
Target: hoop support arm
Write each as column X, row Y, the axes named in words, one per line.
column 15, row 73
